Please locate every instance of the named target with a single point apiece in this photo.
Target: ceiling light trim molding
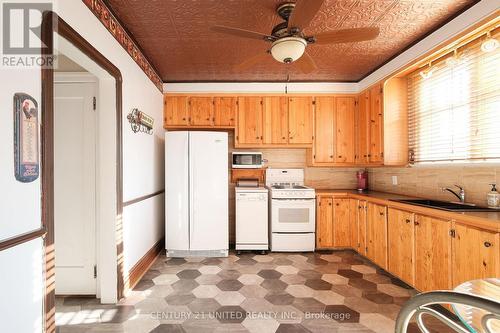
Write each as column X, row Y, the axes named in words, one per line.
column 116, row 29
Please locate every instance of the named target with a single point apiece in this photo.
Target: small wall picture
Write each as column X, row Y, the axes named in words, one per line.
column 26, row 138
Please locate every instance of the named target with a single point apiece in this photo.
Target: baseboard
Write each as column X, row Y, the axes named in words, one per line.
column 142, row 266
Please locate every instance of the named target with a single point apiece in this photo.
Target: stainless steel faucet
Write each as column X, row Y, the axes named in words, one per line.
column 460, row 195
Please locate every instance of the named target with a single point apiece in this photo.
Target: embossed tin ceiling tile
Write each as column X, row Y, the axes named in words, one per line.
column 176, row 38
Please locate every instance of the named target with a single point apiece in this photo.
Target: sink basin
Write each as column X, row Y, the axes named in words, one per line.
column 445, row 205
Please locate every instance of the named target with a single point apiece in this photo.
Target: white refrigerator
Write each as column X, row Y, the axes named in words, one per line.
column 196, row 200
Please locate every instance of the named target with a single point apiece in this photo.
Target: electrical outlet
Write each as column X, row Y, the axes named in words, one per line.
column 394, row 180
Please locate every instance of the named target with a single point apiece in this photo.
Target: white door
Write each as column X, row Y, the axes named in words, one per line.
column 74, row 187
column 177, row 191
column 208, row 166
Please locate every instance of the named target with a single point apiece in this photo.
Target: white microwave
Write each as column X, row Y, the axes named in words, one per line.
column 247, row 160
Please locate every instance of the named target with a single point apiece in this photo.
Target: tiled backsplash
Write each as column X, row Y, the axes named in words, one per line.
column 428, row 181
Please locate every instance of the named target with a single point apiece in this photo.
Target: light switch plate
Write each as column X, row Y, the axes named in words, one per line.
column 394, row 180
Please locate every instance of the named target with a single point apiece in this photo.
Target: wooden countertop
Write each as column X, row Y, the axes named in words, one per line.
column 483, row 220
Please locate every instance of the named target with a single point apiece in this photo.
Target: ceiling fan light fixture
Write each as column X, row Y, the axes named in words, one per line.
column 288, row 49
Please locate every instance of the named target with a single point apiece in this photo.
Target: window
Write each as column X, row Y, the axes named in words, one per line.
column 454, row 106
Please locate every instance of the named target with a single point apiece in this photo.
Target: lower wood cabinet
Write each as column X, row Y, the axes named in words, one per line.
column 401, row 242
column 476, row 254
column 333, row 222
column 376, row 234
column 432, row 253
column 426, row 252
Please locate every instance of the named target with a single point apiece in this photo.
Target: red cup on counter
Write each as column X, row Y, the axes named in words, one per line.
column 362, row 178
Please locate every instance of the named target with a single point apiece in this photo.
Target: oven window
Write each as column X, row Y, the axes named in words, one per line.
column 293, row 215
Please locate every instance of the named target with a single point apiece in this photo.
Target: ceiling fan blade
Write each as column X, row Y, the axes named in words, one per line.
column 347, row 35
column 250, row 62
column 239, row 32
column 306, row 63
column 303, row 13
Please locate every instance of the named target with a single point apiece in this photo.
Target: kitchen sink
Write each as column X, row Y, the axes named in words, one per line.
column 445, row 205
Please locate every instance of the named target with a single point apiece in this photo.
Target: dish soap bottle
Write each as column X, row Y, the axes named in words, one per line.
column 493, row 197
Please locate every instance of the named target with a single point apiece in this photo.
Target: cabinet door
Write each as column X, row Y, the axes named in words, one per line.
column 476, row 254
column 362, row 220
column 353, row 223
column 344, row 129
column 201, row 111
column 225, row 111
column 401, row 240
column 324, row 142
column 376, row 125
column 376, row 234
column 175, row 111
column 300, row 120
column 275, row 120
column 363, row 128
column 249, row 120
column 325, row 222
column 432, row 253
column 341, row 236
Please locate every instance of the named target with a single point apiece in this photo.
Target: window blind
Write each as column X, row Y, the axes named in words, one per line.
column 454, row 112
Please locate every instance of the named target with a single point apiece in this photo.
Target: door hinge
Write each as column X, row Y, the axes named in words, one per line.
column 453, row 233
column 94, row 103
column 95, row 271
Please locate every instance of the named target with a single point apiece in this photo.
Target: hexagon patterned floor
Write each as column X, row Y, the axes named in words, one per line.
column 303, row 292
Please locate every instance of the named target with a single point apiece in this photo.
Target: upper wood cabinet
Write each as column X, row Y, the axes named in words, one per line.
column 175, row 111
column 344, row 129
column 376, row 151
column 363, row 128
column 300, row 120
column 225, row 111
column 401, row 241
column 324, row 119
column 275, row 120
column 250, row 120
column 376, row 234
column 201, row 111
column 432, row 253
column 476, row 254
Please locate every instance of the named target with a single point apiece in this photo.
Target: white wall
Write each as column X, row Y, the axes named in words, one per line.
column 143, row 156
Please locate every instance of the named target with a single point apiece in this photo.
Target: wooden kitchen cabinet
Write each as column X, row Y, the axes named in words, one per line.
column 401, row 243
column 300, row 120
column 250, row 118
column 324, row 118
column 475, row 255
column 353, row 223
column 201, row 111
column 324, row 228
column 363, row 128
column 344, row 129
column 376, row 234
column 175, row 111
column 225, row 111
column 275, row 120
column 432, row 253
column 376, row 148
column 341, row 225
column 362, row 221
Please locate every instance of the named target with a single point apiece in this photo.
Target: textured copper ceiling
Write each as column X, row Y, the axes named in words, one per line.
column 175, row 36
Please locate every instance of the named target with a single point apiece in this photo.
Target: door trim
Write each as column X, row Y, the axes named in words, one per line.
column 52, row 23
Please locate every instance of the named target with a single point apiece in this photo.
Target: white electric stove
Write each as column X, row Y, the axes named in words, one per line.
column 293, row 211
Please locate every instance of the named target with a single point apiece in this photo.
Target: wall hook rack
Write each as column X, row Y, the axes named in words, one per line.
column 140, row 122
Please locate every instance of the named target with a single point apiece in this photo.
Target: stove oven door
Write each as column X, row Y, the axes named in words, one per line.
column 293, row 215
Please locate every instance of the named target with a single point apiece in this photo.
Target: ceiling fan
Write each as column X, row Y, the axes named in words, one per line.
column 288, row 41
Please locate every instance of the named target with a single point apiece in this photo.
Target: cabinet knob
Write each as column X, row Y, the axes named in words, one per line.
column 257, row 137
column 329, row 204
column 407, row 220
column 340, row 156
column 381, row 213
column 337, row 204
column 416, row 223
column 284, row 137
column 487, row 244
column 183, row 118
